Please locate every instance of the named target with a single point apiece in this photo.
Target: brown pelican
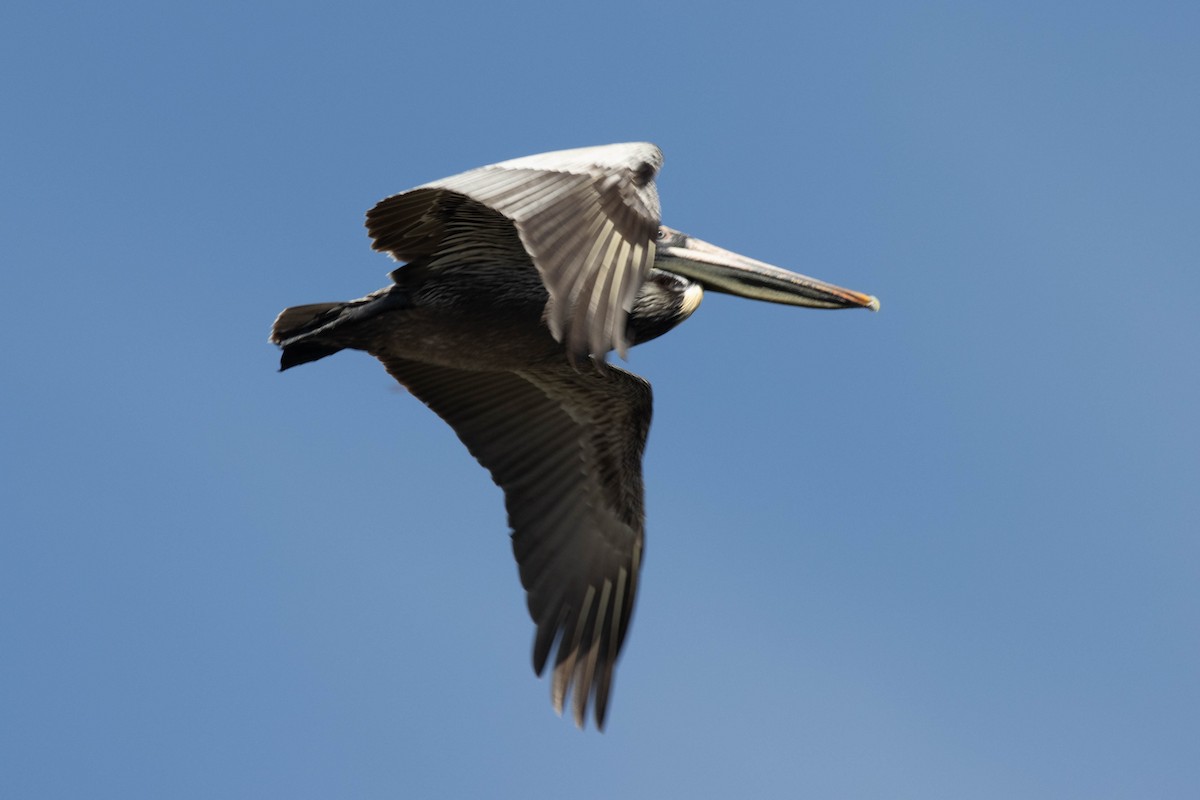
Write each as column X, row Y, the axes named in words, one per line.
column 518, row 279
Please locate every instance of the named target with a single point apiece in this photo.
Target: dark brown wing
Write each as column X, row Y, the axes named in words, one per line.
column 566, row 448
column 588, row 219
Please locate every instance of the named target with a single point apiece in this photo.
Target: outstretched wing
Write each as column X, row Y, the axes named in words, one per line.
column 566, row 448
column 588, row 218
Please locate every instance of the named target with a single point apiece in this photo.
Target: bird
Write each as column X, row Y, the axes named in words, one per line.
column 517, row 281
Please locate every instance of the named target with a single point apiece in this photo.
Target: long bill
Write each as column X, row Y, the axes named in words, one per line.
column 725, row 271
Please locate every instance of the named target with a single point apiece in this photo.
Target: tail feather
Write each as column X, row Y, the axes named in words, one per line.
column 298, row 320
column 296, row 331
column 294, row 355
column 307, row 333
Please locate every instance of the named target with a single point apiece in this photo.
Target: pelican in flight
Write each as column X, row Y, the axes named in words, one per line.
column 518, row 279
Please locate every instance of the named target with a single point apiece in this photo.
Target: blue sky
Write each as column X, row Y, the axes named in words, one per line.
column 948, row 550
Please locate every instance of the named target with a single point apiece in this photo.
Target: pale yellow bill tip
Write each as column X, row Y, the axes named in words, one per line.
column 874, row 304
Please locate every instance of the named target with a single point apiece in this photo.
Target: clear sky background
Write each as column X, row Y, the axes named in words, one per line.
column 947, row 550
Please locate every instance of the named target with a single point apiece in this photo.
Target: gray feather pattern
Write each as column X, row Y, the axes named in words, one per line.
column 587, row 219
column 555, row 440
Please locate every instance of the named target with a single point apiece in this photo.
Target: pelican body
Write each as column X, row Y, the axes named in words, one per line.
column 518, row 279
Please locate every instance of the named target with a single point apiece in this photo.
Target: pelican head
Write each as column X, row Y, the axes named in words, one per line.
column 724, row 271
column 662, row 302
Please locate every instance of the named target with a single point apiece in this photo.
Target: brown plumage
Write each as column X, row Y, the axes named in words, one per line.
column 517, row 275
